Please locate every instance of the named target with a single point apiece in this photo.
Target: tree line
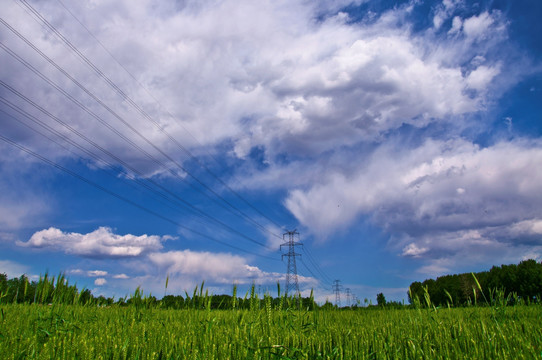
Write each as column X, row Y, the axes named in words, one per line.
column 521, row 282
column 51, row 290
column 514, row 283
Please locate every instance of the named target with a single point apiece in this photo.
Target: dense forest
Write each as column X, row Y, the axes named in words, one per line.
column 514, row 282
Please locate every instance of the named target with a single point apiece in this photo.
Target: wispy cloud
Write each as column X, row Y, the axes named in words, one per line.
column 12, row 268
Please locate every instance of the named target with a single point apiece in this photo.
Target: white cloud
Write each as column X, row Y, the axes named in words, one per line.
column 100, row 282
column 268, row 75
column 121, row 276
column 524, row 231
column 413, row 250
column 479, row 26
column 438, row 19
column 478, row 252
column 457, row 24
column 97, row 273
column 99, row 243
column 276, row 79
column 186, row 269
column 444, row 11
column 212, row 267
column 443, row 196
column 480, row 78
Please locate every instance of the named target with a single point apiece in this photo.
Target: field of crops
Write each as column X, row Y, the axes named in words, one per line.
column 131, row 332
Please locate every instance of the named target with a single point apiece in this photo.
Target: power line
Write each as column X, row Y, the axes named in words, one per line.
column 79, row 104
column 121, row 197
column 186, row 204
column 112, row 170
column 155, row 123
column 314, row 263
column 311, row 259
column 149, row 156
column 172, row 116
column 308, row 269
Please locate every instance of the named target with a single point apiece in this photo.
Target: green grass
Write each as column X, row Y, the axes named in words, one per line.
column 76, row 326
column 90, row 332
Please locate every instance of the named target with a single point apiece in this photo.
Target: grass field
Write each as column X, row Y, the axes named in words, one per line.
column 138, row 332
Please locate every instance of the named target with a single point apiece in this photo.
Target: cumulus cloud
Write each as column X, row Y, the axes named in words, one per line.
column 413, row 250
column 100, row 282
column 187, row 269
column 213, row 267
column 442, row 196
column 470, row 249
column 316, row 94
column 276, row 80
column 99, row 243
column 97, row 273
column 479, row 78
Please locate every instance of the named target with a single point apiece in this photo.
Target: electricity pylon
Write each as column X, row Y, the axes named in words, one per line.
column 348, row 297
column 337, row 290
column 291, row 273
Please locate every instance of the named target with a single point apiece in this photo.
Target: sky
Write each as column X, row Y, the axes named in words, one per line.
column 182, row 140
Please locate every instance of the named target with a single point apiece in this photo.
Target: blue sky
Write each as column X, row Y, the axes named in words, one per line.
column 148, row 139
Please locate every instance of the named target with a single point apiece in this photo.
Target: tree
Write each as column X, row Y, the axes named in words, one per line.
column 524, row 279
column 3, row 283
column 415, row 292
column 85, row 297
column 530, row 279
column 380, row 299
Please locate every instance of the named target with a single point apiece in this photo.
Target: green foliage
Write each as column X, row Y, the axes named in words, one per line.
column 47, row 290
column 380, row 299
column 522, row 282
column 205, row 326
column 125, row 332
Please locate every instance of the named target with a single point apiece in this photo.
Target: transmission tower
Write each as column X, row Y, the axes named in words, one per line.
column 348, row 297
column 337, row 290
column 291, row 273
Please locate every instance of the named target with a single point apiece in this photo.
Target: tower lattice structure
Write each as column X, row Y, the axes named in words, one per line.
column 291, row 273
column 348, row 297
column 337, row 290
